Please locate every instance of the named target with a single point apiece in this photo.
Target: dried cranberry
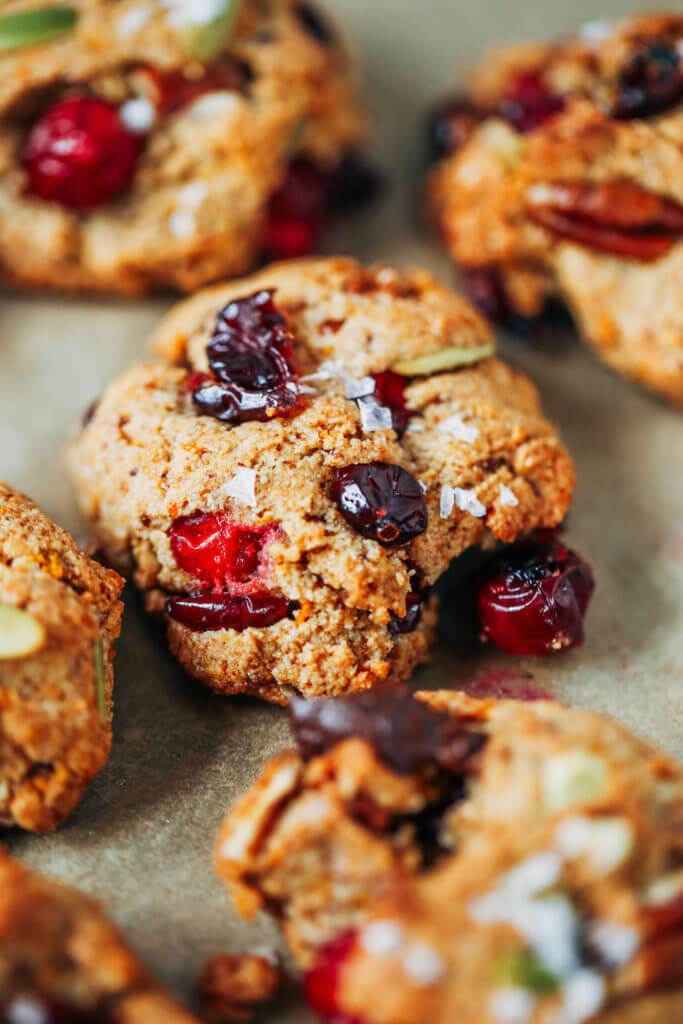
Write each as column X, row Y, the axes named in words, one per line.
column 171, row 90
column 315, row 23
column 651, row 82
column 250, row 357
column 485, row 288
column 321, row 981
column 390, row 391
column 405, row 733
column 353, row 183
column 535, row 597
column 80, row 154
column 381, row 501
column 205, row 612
column 216, row 550
column 450, row 124
column 297, row 212
column 408, row 623
column 529, row 102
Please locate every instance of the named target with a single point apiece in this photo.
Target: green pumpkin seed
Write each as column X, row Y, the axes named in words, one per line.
column 21, row 634
column 446, row 359
column 521, row 967
column 205, row 40
column 28, row 28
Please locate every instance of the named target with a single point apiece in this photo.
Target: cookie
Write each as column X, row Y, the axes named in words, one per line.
column 62, row 961
column 560, row 177
column 315, row 447
column 437, row 857
column 151, row 144
column 60, row 615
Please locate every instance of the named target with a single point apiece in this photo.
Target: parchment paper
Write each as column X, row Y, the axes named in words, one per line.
column 142, row 837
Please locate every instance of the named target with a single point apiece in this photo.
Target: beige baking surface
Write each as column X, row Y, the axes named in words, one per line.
column 142, row 837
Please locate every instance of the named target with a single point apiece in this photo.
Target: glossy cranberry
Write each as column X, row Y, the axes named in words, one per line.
column 381, row 501
column 216, row 550
column 651, row 82
column 535, row 597
column 315, row 23
column 529, row 102
column 450, row 124
column 405, row 733
column 250, row 358
column 39, row 1009
column 205, row 612
column 321, row 981
column 80, row 154
column 390, row 391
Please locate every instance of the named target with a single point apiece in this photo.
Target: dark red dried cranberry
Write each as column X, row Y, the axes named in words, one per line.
column 205, row 612
column 80, row 154
column 39, row 1009
column 390, row 391
column 534, row 598
column 216, row 550
column 321, row 981
column 297, row 212
column 381, row 501
column 315, row 23
column 171, row 90
column 651, row 82
column 408, row 623
column 450, row 124
column 250, row 357
column 353, row 183
column 405, row 733
column 485, row 288
column 529, row 102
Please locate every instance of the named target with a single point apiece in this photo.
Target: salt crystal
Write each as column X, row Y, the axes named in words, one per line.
column 462, row 431
column 214, row 104
column 512, row 1005
column 374, row 416
column 193, row 195
column 242, row 486
column 467, row 501
column 615, row 942
column 584, row 994
column 606, row 841
column 133, row 21
column 182, row 224
column 381, row 938
column 358, row 387
column 423, row 964
column 138, row 115
column 508, row 497
column 447, row 501
column 182, row 13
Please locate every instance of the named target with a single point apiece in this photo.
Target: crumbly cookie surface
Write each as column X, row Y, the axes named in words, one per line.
column 585, row 204
column 195, row 209
column 55, row 701
column 538, row 879
column 148, row 458
column 61, row 959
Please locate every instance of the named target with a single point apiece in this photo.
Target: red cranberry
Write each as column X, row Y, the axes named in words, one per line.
column 535, row 598
column 390, row 391
column 216, row 550
column 250, row 357
column 381, row 501
column 450, row 124
column 173, row 89
column 297, row 211
column 290, row 238
column 205, row 612
column 80, row 154
column 321, row 981
column 529, row 102
column 651, row 82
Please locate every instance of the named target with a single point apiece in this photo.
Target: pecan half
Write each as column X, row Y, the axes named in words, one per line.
column 615, row 217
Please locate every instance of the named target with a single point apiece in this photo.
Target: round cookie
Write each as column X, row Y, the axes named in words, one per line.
column 437, row 858
column 62, row 961
column 148, row 144
column 60, row 615
column 560, row 176
column 283, row 521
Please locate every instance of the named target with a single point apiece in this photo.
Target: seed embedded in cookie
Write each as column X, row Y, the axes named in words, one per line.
column 397, row 884
column 285, row 522
column 558, row 180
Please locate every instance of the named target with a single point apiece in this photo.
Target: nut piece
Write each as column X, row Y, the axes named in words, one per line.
column 20, row 633
column 232, row 987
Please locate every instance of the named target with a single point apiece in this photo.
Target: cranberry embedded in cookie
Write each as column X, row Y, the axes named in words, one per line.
column 437, row 857
column 559, row 182
column 314, row 448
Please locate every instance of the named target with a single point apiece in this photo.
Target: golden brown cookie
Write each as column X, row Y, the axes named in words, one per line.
column 560, row 176
column 59, row 618
column 283, row 521
column 447, row 858
column 148, row 144
column 62, row 961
